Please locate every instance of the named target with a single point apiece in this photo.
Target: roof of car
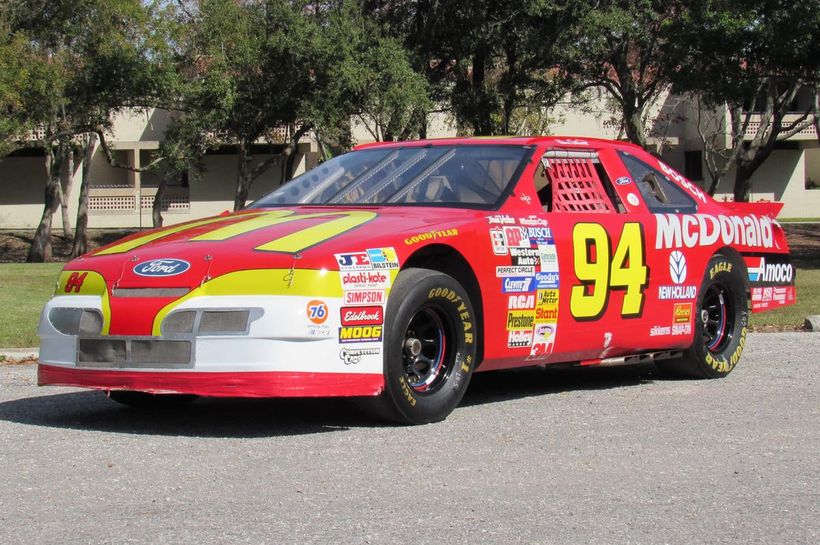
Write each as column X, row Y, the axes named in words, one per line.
column 558, row 141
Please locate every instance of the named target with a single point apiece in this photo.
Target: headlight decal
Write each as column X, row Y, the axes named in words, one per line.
column 86, row 283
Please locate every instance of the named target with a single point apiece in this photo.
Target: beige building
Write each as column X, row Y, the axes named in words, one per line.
column 121, row 198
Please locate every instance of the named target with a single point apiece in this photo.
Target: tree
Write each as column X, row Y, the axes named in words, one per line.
column 625, row 47
column 753, row 59
column 87, row 59
column 492, row 62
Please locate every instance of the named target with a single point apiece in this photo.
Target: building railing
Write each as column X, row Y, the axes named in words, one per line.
column 808, row 133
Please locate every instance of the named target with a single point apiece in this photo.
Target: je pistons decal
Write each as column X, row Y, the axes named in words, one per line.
column 162, row 267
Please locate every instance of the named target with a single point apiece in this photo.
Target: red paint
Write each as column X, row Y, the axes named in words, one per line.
column 228, row 384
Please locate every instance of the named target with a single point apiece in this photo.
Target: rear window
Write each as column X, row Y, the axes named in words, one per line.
column 659, row 192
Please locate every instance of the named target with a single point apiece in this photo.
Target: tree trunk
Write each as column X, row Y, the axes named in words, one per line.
column 40, row 250
column 243, row 158
column 65, row 195
column 156, row 209
column 480, row 106
column 81, row 232
column 633, row 122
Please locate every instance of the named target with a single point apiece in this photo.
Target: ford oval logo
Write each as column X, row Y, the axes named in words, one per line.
column 162, row 267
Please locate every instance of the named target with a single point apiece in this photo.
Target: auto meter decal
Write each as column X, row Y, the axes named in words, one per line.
column 162, row 267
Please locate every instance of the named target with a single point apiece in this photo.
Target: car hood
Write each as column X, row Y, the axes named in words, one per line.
column 188, row 254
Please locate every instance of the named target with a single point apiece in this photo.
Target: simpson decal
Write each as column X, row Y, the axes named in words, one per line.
column 364, row 297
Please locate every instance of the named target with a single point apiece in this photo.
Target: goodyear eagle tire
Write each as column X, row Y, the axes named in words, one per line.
column 429, row 349
column 146, row 401
column 721, row 323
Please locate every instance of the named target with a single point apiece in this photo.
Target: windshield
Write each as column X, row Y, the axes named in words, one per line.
column 464, row 175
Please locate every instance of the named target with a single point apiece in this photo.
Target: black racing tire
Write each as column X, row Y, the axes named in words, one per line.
column 147, row 401
column 429, row 348
column 721, row 323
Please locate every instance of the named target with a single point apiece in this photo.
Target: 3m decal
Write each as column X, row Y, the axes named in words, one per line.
column 317, row 311
column 75, row 282
column 599, row 271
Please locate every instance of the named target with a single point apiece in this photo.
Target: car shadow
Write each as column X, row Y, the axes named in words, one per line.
column 249, row 418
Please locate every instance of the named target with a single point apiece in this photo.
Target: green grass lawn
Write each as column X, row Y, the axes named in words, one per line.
column 25, row 287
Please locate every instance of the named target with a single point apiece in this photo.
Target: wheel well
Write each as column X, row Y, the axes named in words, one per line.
column 445, row 259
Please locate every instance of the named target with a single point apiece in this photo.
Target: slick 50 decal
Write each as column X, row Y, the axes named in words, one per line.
column 600, row 271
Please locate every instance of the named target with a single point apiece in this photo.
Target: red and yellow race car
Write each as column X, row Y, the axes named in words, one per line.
column 399, row 269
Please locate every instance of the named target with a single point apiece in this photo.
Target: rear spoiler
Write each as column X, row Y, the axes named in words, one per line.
column 763, row 208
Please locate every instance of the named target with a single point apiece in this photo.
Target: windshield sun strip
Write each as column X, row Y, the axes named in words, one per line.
column 362, row 178
column 421, row 176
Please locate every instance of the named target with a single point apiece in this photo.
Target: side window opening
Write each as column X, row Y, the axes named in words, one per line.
column 575, row 181
column 659, row 192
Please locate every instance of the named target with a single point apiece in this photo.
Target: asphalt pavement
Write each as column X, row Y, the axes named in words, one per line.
column 581, row 456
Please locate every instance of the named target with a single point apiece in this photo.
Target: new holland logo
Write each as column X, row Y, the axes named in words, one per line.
column 162, row 267
column 677, row 267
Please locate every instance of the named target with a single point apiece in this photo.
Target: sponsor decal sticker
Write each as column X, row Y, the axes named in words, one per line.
column 549, row 258
column 431, row 235
column 365, row 280
column 691, row 230
column 360, row 334
column 769, row 270
column 519, row 338
column 167, row 266
column 546, row 280
column 357, row 261
column 501, row 220
column 517, row 284
column 521, row 302
column 571, row 142
column 676, row 293
column 533, row 221
column 693, row 189
column 543, row 341
column 318, row 331
column 514, row 270
column 364, row 297
column 520, row 320
column 517, row 237
column 677, row 267
column 362, row 315
column 352, row 356
column 317, row 311
column 682, row 313
column 383, row 258
column 499, row 241
column 632, row 199
column 623, row 180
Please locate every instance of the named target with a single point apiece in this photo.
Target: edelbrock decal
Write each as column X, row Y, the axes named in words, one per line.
column 162, row 267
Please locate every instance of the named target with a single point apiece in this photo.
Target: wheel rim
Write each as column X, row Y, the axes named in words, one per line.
column 717, row 317
column 425, row 351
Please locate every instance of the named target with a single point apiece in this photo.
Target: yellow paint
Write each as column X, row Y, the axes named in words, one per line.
column 315, row 234
column 140, row 241
column 304, row 282
column 93, row 284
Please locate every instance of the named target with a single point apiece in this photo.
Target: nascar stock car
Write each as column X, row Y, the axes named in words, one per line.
column 395, row 271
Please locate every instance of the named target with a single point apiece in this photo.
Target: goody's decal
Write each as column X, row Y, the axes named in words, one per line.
column 677, row 267
column 162, row 267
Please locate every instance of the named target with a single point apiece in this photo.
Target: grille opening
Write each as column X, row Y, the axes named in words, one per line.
column 223, row 321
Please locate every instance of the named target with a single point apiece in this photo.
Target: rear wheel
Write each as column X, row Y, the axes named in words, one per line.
column 429, row 347
column 146, row 401
column 721, row 321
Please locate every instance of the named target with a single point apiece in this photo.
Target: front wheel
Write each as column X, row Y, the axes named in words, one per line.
column 721, row 324
column 429, row 349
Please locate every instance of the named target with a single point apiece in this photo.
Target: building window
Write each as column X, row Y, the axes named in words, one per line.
column 693, row 165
